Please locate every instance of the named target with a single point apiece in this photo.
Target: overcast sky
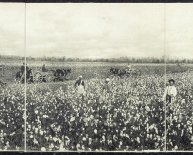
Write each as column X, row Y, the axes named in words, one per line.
column 12, row 29
column 179, row 30
column 97, row 30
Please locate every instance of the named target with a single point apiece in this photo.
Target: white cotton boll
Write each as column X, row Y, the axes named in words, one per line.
column 35, row 141
column 175, row 117
column 13, row 133
column 83, row 147
column 126, row 135
column 156, row 130
column 84, row 139
column 55, row 139
column 95, row 131
column 43, row 149
column 36, row 111
column 138, row 140
column 36, row 130
column 72, row 119
column 51, row 145
column 103, row 137
column 120, row 143
column 78, row 146
column 31, row 136
column 151, row 127
column 91, row 116
column 47, row 138
column 190, row 130
column 188, row 123
column 148, row 135
column 85, row 119
column 147, row 108
column 90, row 140
column 41, row 132
column 176, row 147
column 7, row 143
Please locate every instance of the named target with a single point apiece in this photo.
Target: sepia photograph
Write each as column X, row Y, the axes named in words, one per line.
column 98, row 77
column 12, row 77
column 179, row 73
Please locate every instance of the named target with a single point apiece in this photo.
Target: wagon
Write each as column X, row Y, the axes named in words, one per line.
column 43, row 76
column 124, row 72
column 2, row 69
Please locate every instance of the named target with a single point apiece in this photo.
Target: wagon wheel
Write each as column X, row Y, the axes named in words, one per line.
column 111, row 76
column 67, row 77
column 38, row 77
column 49, row 78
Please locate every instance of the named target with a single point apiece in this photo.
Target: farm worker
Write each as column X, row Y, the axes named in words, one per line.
column 128, row 67
column 106, row 87
column 79, row 84
column 44, row 68
column 170, row 92
column 23, row 68
column 27, row 68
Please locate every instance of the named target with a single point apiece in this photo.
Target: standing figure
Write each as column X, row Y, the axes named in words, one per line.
column 128, row 67
column 170, row 92
column 106, row 89
column 80, row 85
column 27, row 68
column 106, row 86
column 44, row 68
column 23, row 72
column 22, row 69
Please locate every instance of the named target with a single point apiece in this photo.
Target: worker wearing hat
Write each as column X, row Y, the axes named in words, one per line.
column 128, row 67
column 170, row 92
column 44, row 69
column 80, row 85
column 23, row 68
column 106, row 86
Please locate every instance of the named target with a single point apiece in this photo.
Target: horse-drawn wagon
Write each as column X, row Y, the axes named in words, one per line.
column 40, row 76
column 52, row 75
column 43, row 76
column 115, row 71
column 2, row 69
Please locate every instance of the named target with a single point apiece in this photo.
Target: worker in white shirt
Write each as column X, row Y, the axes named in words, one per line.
column 170, row 92
column 128, row 67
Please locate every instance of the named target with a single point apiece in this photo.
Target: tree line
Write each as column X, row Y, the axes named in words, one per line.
column 118, row 60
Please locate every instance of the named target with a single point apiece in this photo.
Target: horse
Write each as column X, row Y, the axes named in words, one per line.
column 2, row 84
column 124, row 71
column 29, row 76
column 117, row 71
column 20, row 77
column 114, row 71
column 60, row 74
